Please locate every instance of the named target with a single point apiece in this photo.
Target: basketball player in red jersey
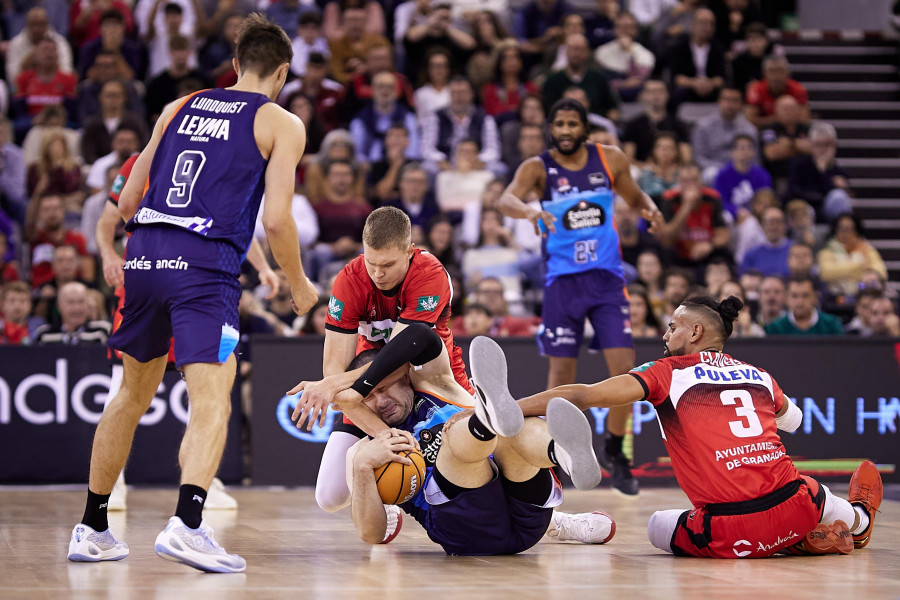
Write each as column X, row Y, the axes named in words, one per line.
column 718, row 417
column 377, row 295
column 114, row 275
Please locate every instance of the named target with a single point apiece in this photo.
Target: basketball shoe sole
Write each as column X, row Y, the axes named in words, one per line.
column 494, row 405
column 571, row 431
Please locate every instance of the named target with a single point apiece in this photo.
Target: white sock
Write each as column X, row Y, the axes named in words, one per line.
column 863, row 520
column 562, row 458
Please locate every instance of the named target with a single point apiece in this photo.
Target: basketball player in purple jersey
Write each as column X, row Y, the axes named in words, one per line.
column 192, row 201
column 575, row 183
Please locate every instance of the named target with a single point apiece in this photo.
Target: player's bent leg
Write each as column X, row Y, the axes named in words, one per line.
column 209, row 393
column 187, row 538
column 119, row 494
column 115, row 431
column 463, row 458
column 332, row 489
column 661, row 528
column 91, row 539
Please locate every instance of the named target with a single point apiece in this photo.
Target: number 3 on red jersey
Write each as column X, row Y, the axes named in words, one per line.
column 746, row 410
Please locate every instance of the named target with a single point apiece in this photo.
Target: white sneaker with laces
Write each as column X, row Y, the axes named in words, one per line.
column 217, row 498
column 88, row 545
column 394, row 523
column 196, row 548
column 494, row 405
column 118, row 494
column 588, row 528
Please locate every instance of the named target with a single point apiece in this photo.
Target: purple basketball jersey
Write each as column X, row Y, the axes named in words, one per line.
column 207, row 175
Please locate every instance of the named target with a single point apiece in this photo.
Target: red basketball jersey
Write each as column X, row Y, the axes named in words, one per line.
column 717, row 416
column 357, row 306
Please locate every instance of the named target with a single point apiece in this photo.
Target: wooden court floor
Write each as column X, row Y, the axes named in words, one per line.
column 294, row 550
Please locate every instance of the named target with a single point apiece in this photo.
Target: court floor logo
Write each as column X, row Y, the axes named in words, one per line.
column 318, row 435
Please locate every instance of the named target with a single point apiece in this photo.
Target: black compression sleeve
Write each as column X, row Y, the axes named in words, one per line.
column 417, row 345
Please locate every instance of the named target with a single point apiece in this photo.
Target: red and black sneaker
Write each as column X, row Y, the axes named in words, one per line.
column 866, row 490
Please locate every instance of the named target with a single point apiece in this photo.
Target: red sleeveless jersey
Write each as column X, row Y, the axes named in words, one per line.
column 717, row 417
column 357, row 306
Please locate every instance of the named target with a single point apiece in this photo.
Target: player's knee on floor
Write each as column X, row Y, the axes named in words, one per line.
column 332, row 496
column 661, row 528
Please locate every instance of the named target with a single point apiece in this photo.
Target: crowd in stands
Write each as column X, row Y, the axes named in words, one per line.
column 430, row 106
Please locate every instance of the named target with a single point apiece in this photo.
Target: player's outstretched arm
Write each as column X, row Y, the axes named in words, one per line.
column 616, row 391
column 366, row 506
column 529, row 178
column 416, row 345
column 281, row 137
column 626, row 187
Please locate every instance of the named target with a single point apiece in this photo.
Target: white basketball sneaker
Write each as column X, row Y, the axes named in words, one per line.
column 217, row 498
column 88, row 545
column 117, row 497
column 196, row 548
column 587, row 528
column 394, row 523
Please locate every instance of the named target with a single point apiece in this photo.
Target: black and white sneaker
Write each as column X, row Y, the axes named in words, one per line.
column 573, row 439
column 619, row 467
column 494, row 405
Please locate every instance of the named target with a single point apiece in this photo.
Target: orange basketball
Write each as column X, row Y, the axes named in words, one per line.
column 398, row 483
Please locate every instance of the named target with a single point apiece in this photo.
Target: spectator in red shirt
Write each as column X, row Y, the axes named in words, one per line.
column 45, row 230
column 695, row 228
column 42, row 85
column 510, row 84
column 761, row 95
column 324, row 93
column 85, row 15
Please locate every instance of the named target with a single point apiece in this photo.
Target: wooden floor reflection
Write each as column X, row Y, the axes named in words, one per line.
column 295, row 550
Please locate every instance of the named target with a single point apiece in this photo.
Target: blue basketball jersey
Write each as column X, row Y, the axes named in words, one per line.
column 426, row 423
column 207, row 175
column 582, row 202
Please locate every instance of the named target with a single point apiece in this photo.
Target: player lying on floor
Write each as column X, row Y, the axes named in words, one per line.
column 718, row 417
column 489, row 488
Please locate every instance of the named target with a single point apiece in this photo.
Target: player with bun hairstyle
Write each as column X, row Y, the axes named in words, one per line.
column 719, row 417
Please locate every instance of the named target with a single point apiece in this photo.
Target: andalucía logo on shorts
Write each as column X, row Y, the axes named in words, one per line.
column 335, row 308
column 427, row 303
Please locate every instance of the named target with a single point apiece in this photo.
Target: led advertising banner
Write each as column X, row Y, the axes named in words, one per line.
column 847, row 389
column 51, row 398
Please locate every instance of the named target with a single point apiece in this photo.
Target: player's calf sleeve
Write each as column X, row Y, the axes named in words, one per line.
column 661, row 528
column 417, row 345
